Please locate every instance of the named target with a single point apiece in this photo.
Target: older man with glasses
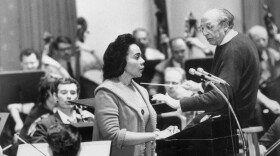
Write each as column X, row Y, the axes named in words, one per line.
column 236, row 61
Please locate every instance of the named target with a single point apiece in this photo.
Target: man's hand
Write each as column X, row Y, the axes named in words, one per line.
column 192, row 86
column 167, row 99
column 274, row 106
column 262, row 150
column 277, row 37
column 18, row 126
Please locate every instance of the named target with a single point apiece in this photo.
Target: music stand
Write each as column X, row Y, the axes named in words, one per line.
column 3, row 119
column 84, row 102
column 162, row 108
column 88, row 103
column 205, row 63
column 19, row 87
column 85, row 129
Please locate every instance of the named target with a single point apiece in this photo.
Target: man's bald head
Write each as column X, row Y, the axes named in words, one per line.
column 215, row 24
column 259, row 36
column 179, row 49
column 221, row 15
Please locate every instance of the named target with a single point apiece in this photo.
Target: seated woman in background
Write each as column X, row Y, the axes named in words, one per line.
column 64, row 90
column 122, row 108
column 63, row 140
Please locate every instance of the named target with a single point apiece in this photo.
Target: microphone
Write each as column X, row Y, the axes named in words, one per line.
column 213, row 76
column 194, row 72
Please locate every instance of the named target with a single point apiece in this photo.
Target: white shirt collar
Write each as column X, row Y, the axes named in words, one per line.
column 67, row 119
column 231, row 34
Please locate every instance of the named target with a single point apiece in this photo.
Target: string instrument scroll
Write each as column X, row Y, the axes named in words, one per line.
column 271, row 27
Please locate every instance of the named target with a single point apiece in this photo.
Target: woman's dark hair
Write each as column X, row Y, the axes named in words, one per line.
column 63, row 140
column 45, row 87
column 81, row 28
column 115, row 56
column 67, row 80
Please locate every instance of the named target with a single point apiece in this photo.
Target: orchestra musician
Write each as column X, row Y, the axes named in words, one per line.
column 64, row 90
column 236, row 61
column 269, row 58
column 63, row 140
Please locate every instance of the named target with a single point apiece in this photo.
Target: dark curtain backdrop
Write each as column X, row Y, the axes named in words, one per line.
column 23, row 23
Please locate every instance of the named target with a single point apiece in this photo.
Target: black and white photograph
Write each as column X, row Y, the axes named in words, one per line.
column 139, row 78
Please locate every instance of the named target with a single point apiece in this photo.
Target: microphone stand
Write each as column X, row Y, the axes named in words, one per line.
column 234, row 115
column 272, row 147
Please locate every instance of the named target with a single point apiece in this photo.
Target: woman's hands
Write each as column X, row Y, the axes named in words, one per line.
column 167, row 132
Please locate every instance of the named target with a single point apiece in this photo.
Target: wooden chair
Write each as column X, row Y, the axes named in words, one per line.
column 251, row 137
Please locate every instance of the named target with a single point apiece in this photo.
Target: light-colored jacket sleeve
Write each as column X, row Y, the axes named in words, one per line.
column 107, row 118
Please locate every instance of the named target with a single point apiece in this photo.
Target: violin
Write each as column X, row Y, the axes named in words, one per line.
column 270, row 25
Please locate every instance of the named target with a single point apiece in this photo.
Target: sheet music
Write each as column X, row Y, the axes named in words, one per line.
column 102, row 148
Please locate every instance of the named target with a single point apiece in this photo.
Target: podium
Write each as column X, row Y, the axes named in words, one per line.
column 213, row 137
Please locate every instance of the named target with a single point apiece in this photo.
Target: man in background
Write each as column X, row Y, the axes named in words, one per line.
column 142, row 39
column 179, row 52
column 269, row 57
column 29, row 61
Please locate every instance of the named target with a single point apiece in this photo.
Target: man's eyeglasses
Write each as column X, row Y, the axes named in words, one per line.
column 171, row 83
column 65, row 49
column 209, row 27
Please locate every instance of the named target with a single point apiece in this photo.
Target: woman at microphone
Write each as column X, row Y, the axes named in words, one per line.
column 123, row 112
column 64, row 90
